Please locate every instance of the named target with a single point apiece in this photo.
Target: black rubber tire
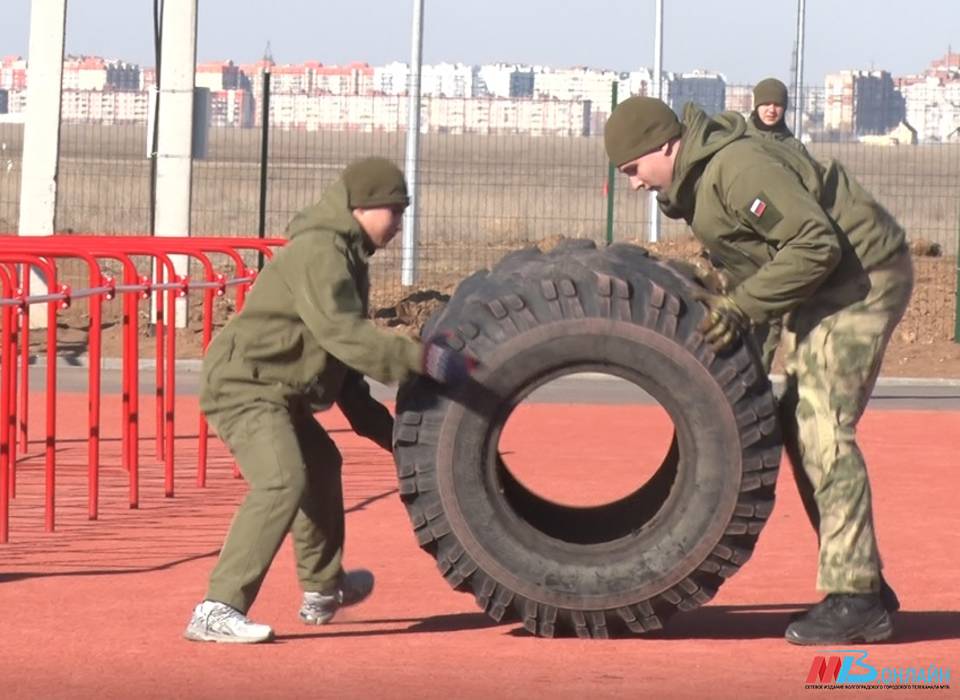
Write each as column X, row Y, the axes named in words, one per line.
column 620, row 566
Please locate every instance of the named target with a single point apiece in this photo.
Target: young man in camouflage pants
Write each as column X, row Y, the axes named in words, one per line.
column 303, row 342
column 805, row 241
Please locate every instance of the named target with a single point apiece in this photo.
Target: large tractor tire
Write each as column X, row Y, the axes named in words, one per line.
column 621, row 566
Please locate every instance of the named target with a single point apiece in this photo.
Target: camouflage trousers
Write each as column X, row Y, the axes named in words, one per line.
column 833, row 353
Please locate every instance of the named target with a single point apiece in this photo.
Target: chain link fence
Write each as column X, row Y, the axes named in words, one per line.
column 485, row 188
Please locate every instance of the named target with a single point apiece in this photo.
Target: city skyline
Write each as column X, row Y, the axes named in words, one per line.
column 757, row 36
column 810, row 81
column 495, row 97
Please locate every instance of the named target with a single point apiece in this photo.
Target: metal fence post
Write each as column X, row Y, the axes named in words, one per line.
column 264, row 155
column 408, row 265
column 956, row 326
column 611, row 171
column 798, row 88
column 658, row 91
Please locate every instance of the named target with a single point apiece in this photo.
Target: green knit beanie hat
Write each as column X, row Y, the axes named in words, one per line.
column 770, row 91
column 637, row 126
column 375, row 182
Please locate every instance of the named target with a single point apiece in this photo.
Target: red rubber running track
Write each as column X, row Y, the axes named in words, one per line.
column 96, row 609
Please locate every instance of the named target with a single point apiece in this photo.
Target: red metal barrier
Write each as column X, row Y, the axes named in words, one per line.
column 41, row 252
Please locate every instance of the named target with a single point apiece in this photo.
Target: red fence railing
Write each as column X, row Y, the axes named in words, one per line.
column 18, row 255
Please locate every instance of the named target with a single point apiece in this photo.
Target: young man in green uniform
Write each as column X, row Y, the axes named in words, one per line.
column 303, row 342
column 768, row 120
column 806, row 241
column 769, row 110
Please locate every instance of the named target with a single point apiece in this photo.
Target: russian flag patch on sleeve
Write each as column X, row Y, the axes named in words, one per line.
column 761, row 214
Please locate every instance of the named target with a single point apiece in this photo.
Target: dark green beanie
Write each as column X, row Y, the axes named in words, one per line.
column 770, row 91
column 637, row 126
column 375, row 182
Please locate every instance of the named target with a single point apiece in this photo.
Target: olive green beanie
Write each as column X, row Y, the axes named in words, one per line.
column 375, row 182
column 770, row 91
column 637, row 126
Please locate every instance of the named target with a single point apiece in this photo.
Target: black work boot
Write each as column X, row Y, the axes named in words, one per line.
column 843, row 618
column 890, row 601
column 887, row 596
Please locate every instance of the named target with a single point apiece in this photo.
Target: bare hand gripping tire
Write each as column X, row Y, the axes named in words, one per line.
column 622, row 566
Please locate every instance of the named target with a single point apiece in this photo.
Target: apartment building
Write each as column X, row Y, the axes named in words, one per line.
column 858, row 102
column 932, row 99
column 704, row 88
column 454, row 115
column 219, row 75
column 572, row 84
column 104, row 106
column 503, row 80
column 233, row 108
column 933, row 106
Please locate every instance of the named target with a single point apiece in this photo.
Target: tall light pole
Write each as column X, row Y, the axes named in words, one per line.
column 798, row 87
column 41, row 133
column 658, row 93
column 178, row 48
column 408, row 265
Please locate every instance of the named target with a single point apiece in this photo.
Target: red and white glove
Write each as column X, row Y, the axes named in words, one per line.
column 445, row 365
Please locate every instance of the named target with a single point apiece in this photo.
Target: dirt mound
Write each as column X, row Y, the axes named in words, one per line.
column 412, row 311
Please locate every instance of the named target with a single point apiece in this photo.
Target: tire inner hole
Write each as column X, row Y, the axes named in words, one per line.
column 566, row 478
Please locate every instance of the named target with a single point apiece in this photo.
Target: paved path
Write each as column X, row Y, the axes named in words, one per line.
column 587, row 389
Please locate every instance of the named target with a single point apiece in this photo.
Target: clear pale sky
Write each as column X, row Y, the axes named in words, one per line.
column 744, row 39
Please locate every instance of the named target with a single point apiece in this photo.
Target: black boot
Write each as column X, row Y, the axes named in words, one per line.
column 887, row 596
column 890, row 601
column 843, row 618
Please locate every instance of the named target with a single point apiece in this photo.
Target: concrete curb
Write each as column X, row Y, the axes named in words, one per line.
column 115, row 363
column 112, row 363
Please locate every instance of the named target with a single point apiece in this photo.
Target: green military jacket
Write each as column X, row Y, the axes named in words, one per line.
column 787, row 229
column 778, row 132
column 304, row 323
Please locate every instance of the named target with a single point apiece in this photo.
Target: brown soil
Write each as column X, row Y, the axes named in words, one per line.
column 918, row 348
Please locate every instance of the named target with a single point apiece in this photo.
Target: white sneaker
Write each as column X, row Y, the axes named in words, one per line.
column 218, row 622
column 319, row 608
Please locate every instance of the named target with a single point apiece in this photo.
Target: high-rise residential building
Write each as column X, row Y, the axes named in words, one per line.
column 703, row 88
column 218, row 75
column 233, row 108
column 503, row 80
column 352, row 79
column 122, row 76
column 148, row 78
column 13, row 73
column 576, row 84
column 391, row 79
column 933, row 106
column 933, row 99
column 637, row 82
column 454, row 115
column 290, row 79
column 84, row 73
column 447, row 80
column 738, row 98
column 104, row 106
column 860, row 102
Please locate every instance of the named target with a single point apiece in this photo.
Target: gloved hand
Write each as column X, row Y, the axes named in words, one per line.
column 724, row 321
column 445, row 365
column 703, row 273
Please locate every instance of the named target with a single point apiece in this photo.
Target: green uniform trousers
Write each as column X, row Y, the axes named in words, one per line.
column 833, row 356
column 293, row 470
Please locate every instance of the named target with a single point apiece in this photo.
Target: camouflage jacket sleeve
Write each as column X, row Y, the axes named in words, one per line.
column 326, row 298
column 368, row 417
column 771, row 201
